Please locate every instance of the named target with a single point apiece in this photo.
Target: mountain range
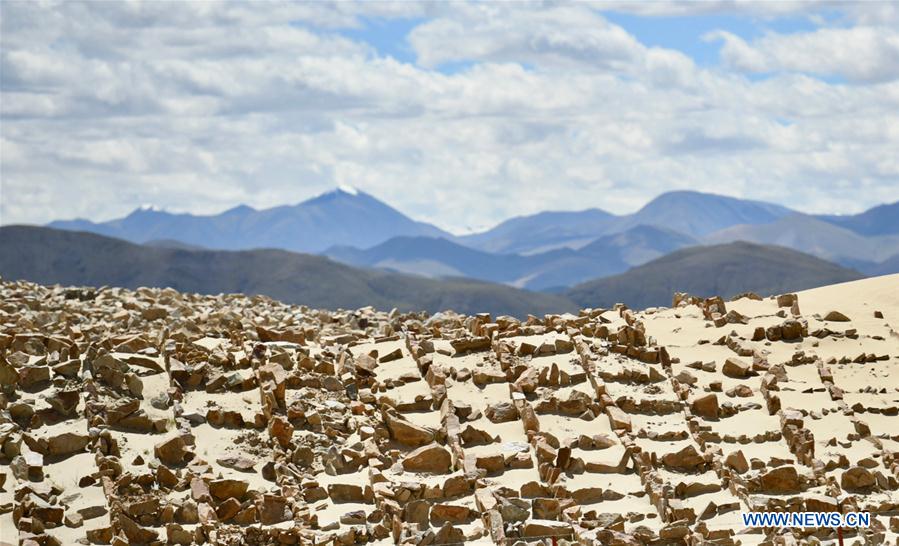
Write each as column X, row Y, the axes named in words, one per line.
column 548, row 251
column 339, row 217
column 552, row 269
column 727, row 270
column 52, row 256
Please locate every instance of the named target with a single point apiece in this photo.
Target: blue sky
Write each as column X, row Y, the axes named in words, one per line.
column 461, row 114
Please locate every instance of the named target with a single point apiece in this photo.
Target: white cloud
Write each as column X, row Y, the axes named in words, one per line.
column 201, row 106
column 861, row 54
column 504, row 33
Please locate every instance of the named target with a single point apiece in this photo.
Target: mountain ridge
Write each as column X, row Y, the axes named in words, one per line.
column 432, row 257
column 51, row 256
column 332, row 218
column 725, row 270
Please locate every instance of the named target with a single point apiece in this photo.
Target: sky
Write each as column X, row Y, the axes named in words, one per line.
column 462, row 114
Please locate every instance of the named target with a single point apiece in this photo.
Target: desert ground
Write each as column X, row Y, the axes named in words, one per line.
column 157, row 417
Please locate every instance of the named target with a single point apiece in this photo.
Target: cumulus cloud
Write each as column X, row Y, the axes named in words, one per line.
column 502, row 33
column 861, row 54
column 201, row 106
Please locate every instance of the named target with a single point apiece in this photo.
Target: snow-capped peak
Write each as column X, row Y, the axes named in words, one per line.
column 348, row 189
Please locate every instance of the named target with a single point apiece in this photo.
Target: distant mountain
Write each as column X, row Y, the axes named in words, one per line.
column 433, row 257
column 171, row 243
column 697, row 214
column 886, row 267
column 813, row 236
column 340, row 217
column 556, row 268
column 638, row 245
column 540, row 232
column 690, row 213
column 76, row 258
column 880, row 220
column 724, row 270
column 547, row 251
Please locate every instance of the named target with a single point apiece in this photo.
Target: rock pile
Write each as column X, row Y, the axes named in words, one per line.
column 156, row 417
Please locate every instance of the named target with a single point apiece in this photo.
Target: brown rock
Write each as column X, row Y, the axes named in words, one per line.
column 417, row 511
column 737, row 461
column 857, row 478
column 206, row 514
column 783, row 479
column 67, row 443
column 239, row 463
column 172, row 451
column 395, row 354
column 528, row 381
column 546, row 528
column 99, row 535
column 365, row 365
column 501, row 412
column 450, row 512
column 791, row 329
column 274, row 509
column 546, row 508
column 734, row 367
column 470, row 344
column 685, row 459
column 529, row 418
column 228, row 509
column 346, row 492
column 30, row 376
column 281, row 430
column 227, row 488
column 135, row 533
column 199, row 490
column 787, row 300
column 408, row 433
column 247, row 516
column 74, row 519
column 618, row 418
column 178, row 535
column 491, row 463
column 432, row 459
column 706, row 406
column 836, row 316
column 820, row 503
column 356, row 517
column 587, row 495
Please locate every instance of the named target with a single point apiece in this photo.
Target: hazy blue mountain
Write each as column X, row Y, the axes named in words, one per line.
column 171, row 243
column 638, row 244
column 439, row 258
column 51, row 256
column 886, row 267
column 813, row 236
column 690, row 213
column 879, row 220
column 339, row 217
column 724, row 270
column 541, row 251
column 697, row 214
column 433, row 257
column 555, row 268
column 604, row 256
column 541, row 231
